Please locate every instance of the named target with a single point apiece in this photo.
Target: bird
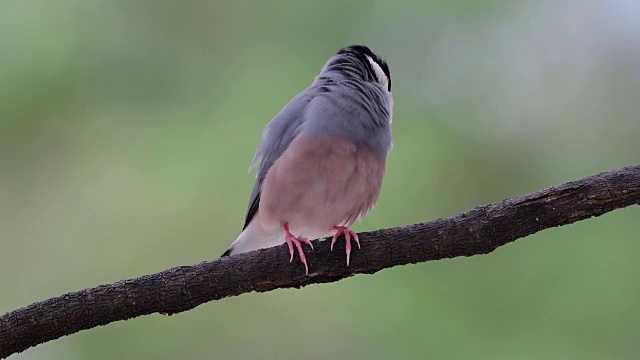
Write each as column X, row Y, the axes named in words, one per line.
column 322, row 158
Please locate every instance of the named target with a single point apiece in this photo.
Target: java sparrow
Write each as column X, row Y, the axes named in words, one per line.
column 322, row 157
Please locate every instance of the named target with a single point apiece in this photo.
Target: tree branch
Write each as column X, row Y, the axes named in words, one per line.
column 478, row 231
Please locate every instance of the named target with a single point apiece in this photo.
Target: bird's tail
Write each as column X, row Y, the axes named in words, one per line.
column 253, row 238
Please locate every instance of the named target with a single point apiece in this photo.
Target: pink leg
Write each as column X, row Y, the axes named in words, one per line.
column 292, row 240
column 343, row 230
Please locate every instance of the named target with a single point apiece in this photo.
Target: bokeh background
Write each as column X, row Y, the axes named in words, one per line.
column 127, row 127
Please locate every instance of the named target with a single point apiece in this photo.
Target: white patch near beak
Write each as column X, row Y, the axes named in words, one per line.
column 380, row 75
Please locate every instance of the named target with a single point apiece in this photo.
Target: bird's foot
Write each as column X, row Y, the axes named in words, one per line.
column 291, row 241
column 348, row 234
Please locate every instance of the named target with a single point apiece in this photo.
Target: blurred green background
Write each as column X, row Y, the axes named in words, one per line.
column 127, row 127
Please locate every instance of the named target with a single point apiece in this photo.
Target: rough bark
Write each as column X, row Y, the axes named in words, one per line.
column 478, row 231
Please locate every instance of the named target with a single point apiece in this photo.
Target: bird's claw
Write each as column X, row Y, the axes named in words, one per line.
column 291, row 241
column 348, row 234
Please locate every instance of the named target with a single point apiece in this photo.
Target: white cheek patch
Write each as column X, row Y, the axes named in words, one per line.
column 380, row 75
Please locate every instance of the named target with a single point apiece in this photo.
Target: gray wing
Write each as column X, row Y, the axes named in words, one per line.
column 277, row 136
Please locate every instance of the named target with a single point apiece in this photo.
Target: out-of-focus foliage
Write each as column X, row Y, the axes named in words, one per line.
column 126, row 130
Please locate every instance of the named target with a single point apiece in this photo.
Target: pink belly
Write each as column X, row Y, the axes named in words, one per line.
column 318, row 183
